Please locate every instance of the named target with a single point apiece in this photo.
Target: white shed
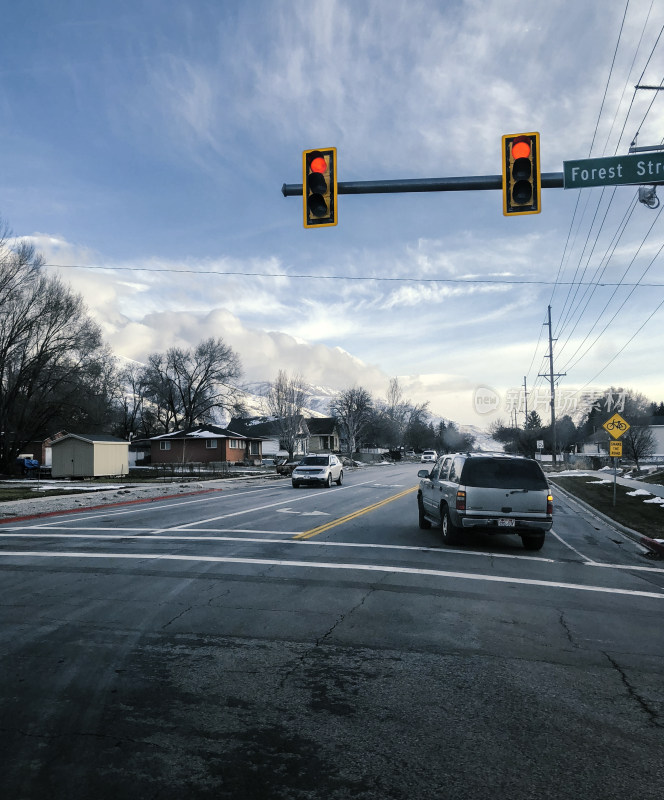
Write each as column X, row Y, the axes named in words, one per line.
column 79, row 455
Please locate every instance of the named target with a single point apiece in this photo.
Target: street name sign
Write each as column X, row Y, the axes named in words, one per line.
column 614, row 171
column 616, row 426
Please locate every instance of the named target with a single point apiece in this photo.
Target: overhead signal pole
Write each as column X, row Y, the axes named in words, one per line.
column 468, row 183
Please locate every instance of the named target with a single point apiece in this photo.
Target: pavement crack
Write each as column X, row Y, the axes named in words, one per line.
column 631, row 691
column 321, row 639
column 566, row 628
column 342, row 617
column 177, row 616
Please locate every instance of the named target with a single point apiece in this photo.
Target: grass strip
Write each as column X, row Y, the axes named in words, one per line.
column 646, row 518
column 26, row 493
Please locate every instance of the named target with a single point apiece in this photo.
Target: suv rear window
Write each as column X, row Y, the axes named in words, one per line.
column 499, row 473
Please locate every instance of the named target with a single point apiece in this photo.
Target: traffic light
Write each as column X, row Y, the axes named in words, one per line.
column 521, row 174
column 319, row 187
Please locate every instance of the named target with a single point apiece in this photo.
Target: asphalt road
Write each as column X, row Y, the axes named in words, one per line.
column 266, row 642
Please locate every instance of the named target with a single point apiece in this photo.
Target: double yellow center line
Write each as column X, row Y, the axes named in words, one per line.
column 326, row 527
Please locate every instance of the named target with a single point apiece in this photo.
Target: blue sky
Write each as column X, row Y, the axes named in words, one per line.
column 144, row 145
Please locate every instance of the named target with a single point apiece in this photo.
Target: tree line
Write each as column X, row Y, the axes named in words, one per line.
column 393, row 422
column 56, row 373
column 638, row 441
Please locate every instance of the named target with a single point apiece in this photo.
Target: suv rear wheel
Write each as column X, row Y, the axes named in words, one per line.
column 533, row 541
column 451, row 534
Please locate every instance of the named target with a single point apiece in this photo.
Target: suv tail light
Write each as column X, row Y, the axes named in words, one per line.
column 460, row 501
column 549, row 505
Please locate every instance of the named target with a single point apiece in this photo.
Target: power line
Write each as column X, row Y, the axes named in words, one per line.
column 618, row 311
column 380, row 279
column 571, row 310
column 633, row 336
column 608, row 80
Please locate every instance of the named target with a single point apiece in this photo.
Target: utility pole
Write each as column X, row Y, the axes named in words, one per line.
column 551, row 378
column 525, row 397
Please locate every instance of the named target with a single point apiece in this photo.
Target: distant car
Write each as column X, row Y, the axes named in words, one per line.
column 495, row 494
column 323, row 468
column 429, row 455
column 286, row 467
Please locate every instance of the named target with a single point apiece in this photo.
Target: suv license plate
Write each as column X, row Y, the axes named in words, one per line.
column 506, row 523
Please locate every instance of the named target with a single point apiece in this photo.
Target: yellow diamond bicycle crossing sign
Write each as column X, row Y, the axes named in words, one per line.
column 616, row 426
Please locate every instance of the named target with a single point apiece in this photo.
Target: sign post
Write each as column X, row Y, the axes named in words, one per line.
column 616, row 426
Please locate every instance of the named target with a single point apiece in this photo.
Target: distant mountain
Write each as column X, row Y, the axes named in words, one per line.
column 317, row 404
column 483, row 440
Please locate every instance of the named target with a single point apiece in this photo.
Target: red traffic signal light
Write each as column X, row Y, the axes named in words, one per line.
column 319, row 187
column 521, row 174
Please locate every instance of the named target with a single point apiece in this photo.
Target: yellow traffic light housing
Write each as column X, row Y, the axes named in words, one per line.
column 521, row 174
column 319, row 187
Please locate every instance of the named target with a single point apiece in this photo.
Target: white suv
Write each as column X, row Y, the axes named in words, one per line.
column 429, row 455
column 323, row 468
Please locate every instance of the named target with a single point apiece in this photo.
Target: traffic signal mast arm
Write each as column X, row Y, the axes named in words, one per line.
column 549, row 180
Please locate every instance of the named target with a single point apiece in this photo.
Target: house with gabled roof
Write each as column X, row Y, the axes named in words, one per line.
column 323, row 435
column 205, row 444
column 267, row 428
column 315, row 434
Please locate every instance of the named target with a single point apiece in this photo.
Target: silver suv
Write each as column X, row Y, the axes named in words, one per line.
column 495, row 493
column 323, row 469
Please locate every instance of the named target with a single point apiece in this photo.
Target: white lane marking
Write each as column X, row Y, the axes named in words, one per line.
column 567, row 544
column 124, row 533
column 147, row 533
column 137, row 508
column 623, row 566
column 319, row 543
column 303, row 513
column 305, row 496
column 469, row 576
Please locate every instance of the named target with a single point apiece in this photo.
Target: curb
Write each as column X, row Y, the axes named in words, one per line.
column 28, row 517
column 654, row 545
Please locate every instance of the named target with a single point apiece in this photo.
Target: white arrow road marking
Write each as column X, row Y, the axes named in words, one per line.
column 303, row 513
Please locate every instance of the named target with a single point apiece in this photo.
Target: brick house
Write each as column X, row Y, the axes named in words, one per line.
column 205, row 444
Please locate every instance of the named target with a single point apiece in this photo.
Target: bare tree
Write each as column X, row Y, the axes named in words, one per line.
column 639, row 443
column 396, row 412
column 403, row 416
column 51, row 352
column 353, row 408
column 186, row 387
column 285, row 402
column 131, row 401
